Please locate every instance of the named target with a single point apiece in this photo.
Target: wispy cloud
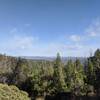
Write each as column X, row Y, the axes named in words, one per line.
column 18, row 43
column 82, row 44
column 30, row 45
column 21, row 42
column 73, row 47
column 92, row 31
column 14, row 30
column 27, row 25
column 77, row 44
column 94, row 28
column 75, row 38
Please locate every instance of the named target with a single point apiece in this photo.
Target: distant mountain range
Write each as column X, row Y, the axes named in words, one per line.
column 64, row 59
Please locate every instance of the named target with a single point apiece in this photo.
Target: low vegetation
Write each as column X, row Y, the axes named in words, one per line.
column 12, row 93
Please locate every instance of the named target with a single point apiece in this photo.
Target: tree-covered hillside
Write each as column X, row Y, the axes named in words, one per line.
column 41, row 78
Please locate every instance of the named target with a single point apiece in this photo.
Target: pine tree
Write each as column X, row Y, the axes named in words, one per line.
column 78, row 77
column 90, row 73
column 97, row 53
column 59, row 80
column 96, row 62
column 69, row 70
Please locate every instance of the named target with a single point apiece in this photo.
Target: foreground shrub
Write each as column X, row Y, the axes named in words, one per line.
column 12, row 93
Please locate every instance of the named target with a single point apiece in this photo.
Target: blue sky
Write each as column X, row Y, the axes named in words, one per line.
column 45, row 27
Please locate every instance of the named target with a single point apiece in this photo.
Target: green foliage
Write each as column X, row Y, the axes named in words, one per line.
column 59, row 79
column 79, row 76
column 90, row 73
column 97, row 53
column 12, row 93
column 75, row 76
column 93, row 71
column 69, row 74
column 40, row 78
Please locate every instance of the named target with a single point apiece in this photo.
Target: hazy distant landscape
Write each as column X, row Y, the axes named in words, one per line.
column 64, row 59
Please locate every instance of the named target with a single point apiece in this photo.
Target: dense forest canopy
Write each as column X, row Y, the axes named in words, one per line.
column 41, row 78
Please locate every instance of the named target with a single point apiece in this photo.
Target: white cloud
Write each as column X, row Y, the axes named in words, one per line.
column 21, row 43
column 75, row 38
column 77, row 45
column 27, row 25
column 93, row 34
column 74, row 47
column 13, row 30
column 31, row 46
column 51, row 49
column 94, row 29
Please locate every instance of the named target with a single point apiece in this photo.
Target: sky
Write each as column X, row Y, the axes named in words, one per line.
column 45, row 27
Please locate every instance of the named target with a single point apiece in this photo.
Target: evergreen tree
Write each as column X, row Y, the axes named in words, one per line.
column 59, row 80
column 96, row 61
column 90, row 73
column 69, row 74
column 97, row 53
column 15, row 74
column 78, row 77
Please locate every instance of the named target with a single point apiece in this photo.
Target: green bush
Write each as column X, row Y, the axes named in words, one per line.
column 12, row 93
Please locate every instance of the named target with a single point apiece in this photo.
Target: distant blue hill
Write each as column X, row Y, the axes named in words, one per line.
column 64, row 59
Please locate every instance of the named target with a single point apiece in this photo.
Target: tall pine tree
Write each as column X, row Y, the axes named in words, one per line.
column 59, row 80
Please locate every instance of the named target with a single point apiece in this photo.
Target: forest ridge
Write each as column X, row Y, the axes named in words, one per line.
column 41, row 78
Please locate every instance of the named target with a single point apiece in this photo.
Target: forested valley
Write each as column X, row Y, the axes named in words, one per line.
column 27, row 79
